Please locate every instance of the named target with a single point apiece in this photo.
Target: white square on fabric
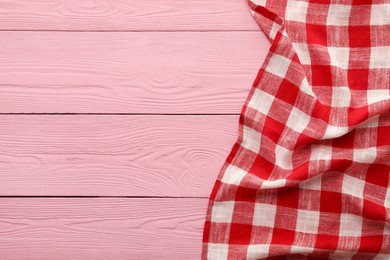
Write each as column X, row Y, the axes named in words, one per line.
column 334, row 131
column 338, row 14
column 251, row 139
column 301, row 250
column 278, row 65
column 380, row 14
column 307, row 221
column 321, row 152
column 339, row 57
column 255, row 252
column 303, row 53
column 353, row 186
column 369, row 123
column 366, row 155
column 380, row 57
column 259, row 2
column 275, row 28
column 387, row 199
column 350, row 225
column 273, row 184
column 283, row 158
column 313, row 183
column 261, row 101
column 306, row 87
column 217, row 251
column 296, row 11
column 298, row 120
column 222, row 212
column 377, row 95
column 341, row 97
column 264, row 215
column 233, row 175
column 386, row 232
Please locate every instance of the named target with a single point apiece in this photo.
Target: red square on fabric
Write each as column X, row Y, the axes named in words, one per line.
column 362, row 2
column 258, row 77
column 383, row 135
column 316, row 34
column 378, row 175
column 372, row 210
column 345, row 141
column 341, row 165
column 206, row 230
column 358, row 79
column 372, row 244
column 321, row 75
column 320, row 1
column 326, row 242
column 359, row 36
column 330, row 202
column 283, row 236
column 300, row 173
column 240, row 234
column 245, row 194
column 287, row 92
column 321, row 111
column 288, row 197
column 274, row 129
column 262, row 167
column 305, row 137
column 356, row 115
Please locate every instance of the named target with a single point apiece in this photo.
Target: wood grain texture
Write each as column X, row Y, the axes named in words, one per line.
column 117, row 57
column 101, row 228
column 113, row 155
column 134, row 72
column 125, row 15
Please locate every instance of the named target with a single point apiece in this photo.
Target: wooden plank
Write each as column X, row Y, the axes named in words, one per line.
column 133, row 72
column 101, row 228
column 126, row 15
column 98, row 155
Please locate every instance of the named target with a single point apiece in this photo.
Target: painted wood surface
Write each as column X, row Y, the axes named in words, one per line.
column 99, row 155
column 101, row 228
column 124, row 15
column 128, row 72
column 115, row 119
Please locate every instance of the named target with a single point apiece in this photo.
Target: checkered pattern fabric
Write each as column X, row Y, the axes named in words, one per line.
column 308, row 177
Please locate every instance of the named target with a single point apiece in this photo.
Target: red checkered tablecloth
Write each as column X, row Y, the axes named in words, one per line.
column 308, row 177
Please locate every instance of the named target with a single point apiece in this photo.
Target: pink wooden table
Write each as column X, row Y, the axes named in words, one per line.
column 116, row 117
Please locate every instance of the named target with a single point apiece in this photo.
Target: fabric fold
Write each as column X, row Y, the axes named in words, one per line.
column 308, row 176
